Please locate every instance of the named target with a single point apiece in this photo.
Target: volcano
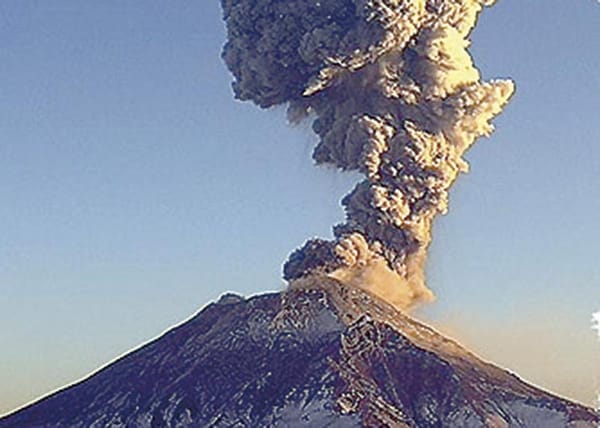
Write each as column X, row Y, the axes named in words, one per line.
column 320, row 354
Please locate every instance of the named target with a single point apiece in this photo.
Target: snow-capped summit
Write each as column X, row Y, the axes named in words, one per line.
column 321, row 354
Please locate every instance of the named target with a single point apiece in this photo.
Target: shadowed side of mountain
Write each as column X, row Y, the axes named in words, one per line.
column 225, row 366
column 319, row 355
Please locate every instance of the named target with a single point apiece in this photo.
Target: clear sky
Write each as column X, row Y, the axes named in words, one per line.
column 134, row 190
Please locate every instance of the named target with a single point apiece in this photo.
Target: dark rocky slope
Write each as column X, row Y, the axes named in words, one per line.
column 306, row 357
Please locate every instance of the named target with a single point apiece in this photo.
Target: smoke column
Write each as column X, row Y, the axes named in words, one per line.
column 393, row 94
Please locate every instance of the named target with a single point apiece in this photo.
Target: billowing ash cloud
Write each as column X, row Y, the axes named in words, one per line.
column 394, row 95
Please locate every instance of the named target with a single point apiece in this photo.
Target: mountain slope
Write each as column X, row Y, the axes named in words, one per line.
column 306, row 357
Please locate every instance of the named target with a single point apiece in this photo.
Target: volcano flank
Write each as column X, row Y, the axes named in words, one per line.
column 321, row 354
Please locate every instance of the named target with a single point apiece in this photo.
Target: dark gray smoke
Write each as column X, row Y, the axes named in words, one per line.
column 394, row 95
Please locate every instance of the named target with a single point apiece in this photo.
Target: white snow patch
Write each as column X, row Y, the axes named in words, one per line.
column 537, row 417
column 318, row 412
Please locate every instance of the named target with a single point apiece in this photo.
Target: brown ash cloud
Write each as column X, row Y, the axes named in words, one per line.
column 393, row 94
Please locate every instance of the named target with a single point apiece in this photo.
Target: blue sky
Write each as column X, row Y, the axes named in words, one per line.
column 134, row 190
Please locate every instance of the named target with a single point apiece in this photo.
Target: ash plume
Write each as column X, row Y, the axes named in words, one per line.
column 393, row 93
